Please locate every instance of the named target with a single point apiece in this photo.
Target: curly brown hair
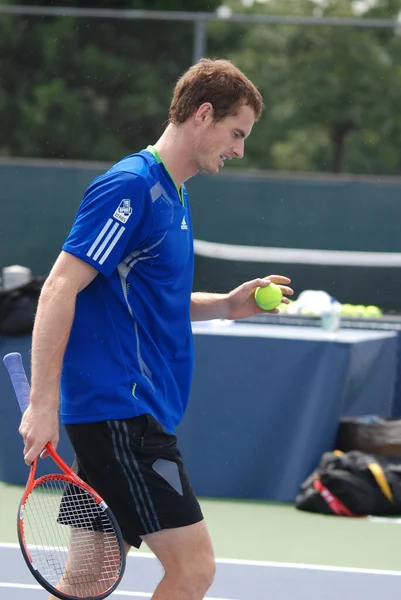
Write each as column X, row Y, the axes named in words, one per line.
column 216, row 81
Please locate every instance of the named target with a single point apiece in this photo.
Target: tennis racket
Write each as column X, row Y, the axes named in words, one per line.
column 68, row 536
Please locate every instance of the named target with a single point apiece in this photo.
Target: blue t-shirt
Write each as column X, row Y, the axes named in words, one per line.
column 130, row 350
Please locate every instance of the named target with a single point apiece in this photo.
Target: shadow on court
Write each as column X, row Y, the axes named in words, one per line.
column 235, row 580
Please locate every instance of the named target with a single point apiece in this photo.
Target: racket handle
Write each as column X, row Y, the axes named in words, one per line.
column 15, row 368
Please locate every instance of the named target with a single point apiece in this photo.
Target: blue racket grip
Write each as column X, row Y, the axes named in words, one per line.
column 15, row 368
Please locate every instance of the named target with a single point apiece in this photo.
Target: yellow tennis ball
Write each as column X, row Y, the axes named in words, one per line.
column 268, row 297
column 372, row 311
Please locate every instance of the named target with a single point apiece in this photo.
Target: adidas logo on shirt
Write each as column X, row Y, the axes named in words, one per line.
column 184, row 223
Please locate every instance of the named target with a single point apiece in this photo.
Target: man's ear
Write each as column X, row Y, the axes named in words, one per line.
column 204, row 113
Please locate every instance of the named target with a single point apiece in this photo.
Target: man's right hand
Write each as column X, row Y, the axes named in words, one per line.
column 39, row 425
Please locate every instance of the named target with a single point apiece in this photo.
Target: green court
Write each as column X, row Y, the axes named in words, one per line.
column 264, row 531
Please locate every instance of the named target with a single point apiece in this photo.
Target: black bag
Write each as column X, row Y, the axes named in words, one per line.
column 18, row 307
column 353, row 484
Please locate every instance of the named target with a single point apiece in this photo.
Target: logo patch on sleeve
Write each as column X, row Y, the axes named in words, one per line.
column 124, row 211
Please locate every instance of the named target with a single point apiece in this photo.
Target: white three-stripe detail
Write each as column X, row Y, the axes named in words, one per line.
column 112, row 244
column 99, row 237
column 108, row 243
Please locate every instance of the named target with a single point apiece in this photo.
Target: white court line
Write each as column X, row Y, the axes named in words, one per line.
column 27, row 586
column 263, row 563
column 281, row 565
column 390, row 520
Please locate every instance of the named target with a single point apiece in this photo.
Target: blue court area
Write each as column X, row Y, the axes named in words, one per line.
column 235, row 580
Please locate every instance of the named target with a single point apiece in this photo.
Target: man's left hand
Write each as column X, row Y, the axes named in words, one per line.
column 241, row 301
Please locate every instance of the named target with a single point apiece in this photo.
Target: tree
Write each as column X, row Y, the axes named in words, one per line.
column 98, row 89
column 86, row 88
column 327, row 90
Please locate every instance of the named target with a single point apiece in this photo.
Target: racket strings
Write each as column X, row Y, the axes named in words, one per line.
column 71, row 539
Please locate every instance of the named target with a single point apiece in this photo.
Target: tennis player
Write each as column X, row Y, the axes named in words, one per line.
column 113, row 326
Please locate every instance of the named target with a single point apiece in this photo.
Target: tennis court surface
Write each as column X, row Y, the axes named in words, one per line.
column 235, row 580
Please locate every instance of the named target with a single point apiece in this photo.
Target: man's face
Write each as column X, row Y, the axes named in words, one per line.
column 216, row 142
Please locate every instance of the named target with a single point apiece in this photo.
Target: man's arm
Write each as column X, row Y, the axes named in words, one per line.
column 205, row 307
column 54, row 317
column 237, row 304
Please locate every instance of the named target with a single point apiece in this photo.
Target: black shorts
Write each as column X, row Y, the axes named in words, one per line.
column 135, row 465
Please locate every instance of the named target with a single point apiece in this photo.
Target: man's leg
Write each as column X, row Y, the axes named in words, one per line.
column 186, row 554
column 86, row 588
column 148, row 490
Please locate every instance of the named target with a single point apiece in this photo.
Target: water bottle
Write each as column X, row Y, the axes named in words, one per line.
column 330, row 318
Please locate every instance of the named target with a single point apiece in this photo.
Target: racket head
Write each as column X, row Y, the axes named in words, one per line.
column 69, row 538
column 64, row 527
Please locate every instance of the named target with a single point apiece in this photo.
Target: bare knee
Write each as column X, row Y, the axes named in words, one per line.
column 187, row 557
column 200, row 573
column 193, row 575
